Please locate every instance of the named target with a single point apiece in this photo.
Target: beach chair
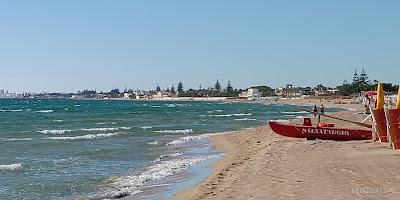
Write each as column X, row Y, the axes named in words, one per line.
column 393, row 124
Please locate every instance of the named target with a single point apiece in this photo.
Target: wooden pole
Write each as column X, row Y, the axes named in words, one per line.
column 345, row 120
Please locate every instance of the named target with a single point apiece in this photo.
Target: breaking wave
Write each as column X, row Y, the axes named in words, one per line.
column 294, row 112
column 161, row 157
column 246, row 119
column 184, row 131
column 11, row 167
column 19, row 110
column 16, row 139
column 186, row 139
column 45, row 111
column 153, row 143
column 98, row 129
column 60, row 132
column 54, row 132
column 86, row 137
column 130, row 185
column 230, row 115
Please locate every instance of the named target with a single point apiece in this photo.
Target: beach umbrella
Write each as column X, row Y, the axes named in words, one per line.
column 370, row 93
column 380, row 99
column 398, row 99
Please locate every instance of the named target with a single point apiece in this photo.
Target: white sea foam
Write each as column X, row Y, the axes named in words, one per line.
column 183, row 131
column 228, row 115
column 86, row 137
column 131, row 185
column 103, row 123
column 295, row 112
column 55, row 132
column 186, row 139
column 146, row 127
column 60, row 132
column 19, row 110
column 161, row 157
column 98, row 129
column 242, row 114
column 45, row 111
column 289, row 115
column 58, row 120
column 16, row 139
column 153, row 142
column 246, row 119
column 12, row 167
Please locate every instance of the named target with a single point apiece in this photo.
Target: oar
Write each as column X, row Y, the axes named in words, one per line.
column 345, row 120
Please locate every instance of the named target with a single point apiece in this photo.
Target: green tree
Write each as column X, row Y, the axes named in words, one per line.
column 307, row 91
column 356, row 78
column 217, row 86
column 345, row 90
column 229, row 89
column 180, row 89
column 363, row 79
column 173, row 89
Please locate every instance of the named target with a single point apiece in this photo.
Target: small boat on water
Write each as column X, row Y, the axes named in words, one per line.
column 325, row 131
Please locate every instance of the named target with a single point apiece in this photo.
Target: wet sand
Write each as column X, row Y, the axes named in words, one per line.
column 259, row 164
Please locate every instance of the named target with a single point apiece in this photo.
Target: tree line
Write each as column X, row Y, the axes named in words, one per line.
column 361, row 83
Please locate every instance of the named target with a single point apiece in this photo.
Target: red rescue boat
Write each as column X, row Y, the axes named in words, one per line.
column 324, row 131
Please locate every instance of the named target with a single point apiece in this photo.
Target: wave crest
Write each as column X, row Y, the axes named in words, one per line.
column 87, row 137
column 184, row 131
column 186, row 139
column 12, row 167
column 130, row 185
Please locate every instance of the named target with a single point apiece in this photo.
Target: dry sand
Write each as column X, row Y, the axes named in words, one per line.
column 259, row 164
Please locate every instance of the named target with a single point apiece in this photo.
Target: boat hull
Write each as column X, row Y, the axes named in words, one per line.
column 324, row 133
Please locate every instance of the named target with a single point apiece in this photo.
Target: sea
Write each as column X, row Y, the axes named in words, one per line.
column 116, row 149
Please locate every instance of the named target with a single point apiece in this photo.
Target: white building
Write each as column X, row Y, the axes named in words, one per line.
column 251, row 93
column 127, row 95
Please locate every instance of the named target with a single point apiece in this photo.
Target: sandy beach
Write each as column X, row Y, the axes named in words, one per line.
column 259, row 164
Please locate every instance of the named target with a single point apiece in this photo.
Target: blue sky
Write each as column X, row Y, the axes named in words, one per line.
column 70, row 45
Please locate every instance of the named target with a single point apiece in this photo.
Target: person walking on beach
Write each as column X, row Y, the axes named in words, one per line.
column 315, row 110
column 322, row 109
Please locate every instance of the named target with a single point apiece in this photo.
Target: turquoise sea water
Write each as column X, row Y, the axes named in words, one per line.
column 79, row 149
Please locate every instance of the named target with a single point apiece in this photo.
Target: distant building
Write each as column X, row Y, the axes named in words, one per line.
column 163, row 95
column 127, row 95
column 332, row 91
column 251, row 94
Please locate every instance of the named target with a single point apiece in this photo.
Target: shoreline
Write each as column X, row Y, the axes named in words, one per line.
column 259, row 164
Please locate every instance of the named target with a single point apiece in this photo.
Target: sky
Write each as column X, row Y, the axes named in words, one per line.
column 70, row 45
